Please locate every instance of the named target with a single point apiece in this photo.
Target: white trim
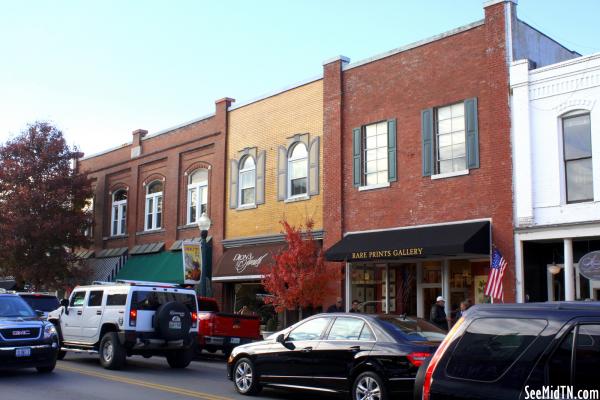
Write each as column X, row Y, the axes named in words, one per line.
column 246, row 207
column 300, row 197
column 450, row 174
column 197, row 187
column 290, row 162
column 246, row 170
column 373, row 187
column 237, row 278
column 466, row 221
column 155, row 197
column 415, row 44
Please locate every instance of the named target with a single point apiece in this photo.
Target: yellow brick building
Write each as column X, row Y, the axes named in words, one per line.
column 274, row 159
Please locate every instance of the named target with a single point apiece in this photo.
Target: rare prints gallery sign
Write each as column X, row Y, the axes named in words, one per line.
column 407, row 252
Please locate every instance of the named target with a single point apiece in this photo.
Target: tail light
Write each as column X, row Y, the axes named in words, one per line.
column 417, row 359
column 436, row 358
column 194, row 319
column 132, row 317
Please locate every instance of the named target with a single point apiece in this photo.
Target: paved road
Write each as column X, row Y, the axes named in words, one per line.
column 80, row 377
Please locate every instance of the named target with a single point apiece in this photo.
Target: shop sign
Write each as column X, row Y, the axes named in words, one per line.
column 407, row 252
column 192, row 262
column 589, row 265
column 243, row 261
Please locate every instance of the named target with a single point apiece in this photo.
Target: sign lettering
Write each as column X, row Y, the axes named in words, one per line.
column 243, row 261
column 407, row 252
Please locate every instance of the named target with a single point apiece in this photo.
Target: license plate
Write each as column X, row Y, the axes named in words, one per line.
column 234, row 340
column 24, row 352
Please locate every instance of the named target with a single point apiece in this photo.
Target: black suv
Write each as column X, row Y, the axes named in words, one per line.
column 516, row 351
column 25, row 340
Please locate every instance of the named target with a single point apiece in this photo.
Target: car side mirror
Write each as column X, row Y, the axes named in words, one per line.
column 65, row 303
column 280, row 338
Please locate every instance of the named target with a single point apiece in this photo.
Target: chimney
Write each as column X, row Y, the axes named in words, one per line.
column 136, row 144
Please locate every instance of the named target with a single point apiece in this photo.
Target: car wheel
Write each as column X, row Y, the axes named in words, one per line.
column 180, row 358
column 368, row 386
column 245, row 379
column 46, row 369
column 112, row 353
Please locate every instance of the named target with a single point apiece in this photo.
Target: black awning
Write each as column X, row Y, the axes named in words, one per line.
column 457, row 239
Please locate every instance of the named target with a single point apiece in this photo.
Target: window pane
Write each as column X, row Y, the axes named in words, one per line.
column 579, row 180
column 459, row 164
column 382, row 140
column 587, row 356
column 155, row 187
column 577, row 137
column 158, row 220
column 372, row 179
column 77, row 299
column 458, row 124
column 248, row 196
column 248, row 163
column 192, row 214
column 444, row 140
column 298, row 169
column 371, row 155
column 444, row 126
column 559, row 364
column 371, row 130
column 458, row 109
column 446, row 166
column 299, row 151
column 382, row 177
column 95, row 299
column 382, row 153
column 298, row 186
column 120, row 195
column 445, row 153
column 443, row 113
column 382, row 165
column 366, row 334
column 458, row 150
column 310, row 330
column 149, row 212
column 490, row 345
column 382, row 128
column 372, row 142
column 123, row 219
column 204, row 195
column 346, row 329
column 199, row 176
column 247, row 179
column 371, row 167
column 458, row 137
column 159, row 204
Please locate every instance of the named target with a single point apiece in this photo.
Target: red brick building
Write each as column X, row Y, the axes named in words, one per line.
column 149, row 194
column 418, row 179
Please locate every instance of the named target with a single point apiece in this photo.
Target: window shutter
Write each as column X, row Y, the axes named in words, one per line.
column 313, row 167
column 472, row 133
column 282, row 173
column 357, row 151
column 233, row 183
column 260, row 177
column 392, row 176
column 427, row 141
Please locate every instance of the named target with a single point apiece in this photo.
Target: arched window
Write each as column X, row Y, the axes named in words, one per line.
column 154, row 205
column 119, row 213
column 577, row 151
column 247, row 181
column 197, row 199
column 297, row 170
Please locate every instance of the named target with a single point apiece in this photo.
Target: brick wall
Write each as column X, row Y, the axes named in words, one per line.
column 266, row 124
column 471, row 63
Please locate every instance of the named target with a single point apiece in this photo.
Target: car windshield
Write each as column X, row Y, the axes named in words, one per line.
column 14, row 306
column 42, row 303
column 412, row 329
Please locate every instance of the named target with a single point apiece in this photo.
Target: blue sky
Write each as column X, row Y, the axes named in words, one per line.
column 100, row 70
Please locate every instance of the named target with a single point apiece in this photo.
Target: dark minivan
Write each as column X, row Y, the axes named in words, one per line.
column 516, row 351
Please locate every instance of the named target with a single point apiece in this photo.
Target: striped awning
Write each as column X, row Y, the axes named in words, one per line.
column 84, row 254
column 105, row 269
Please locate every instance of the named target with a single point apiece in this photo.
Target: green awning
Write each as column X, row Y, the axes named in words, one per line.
column 164, row 267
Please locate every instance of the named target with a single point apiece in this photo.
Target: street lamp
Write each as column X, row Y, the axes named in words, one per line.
column 205, row 252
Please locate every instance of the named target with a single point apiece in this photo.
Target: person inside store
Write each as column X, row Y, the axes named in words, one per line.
column 337, row 307
column 355, row 305
column 438, row 315
column 244, row 311
column 464, row 306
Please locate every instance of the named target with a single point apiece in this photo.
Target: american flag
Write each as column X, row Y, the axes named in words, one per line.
column 494, row 287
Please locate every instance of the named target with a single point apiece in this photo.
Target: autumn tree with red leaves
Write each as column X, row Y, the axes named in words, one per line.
column 43, row 213
column 298, row 277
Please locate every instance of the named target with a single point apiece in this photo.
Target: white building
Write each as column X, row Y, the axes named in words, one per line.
column 556, row 168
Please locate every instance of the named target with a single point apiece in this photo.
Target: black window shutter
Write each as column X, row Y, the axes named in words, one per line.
column 427, row 141
column 357, row 151
column 472, row 133
column 392, row 176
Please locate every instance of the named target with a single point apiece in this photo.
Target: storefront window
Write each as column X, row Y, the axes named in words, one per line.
column 249, row 299
column 366, row 279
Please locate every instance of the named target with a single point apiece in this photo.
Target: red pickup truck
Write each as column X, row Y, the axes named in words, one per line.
column 223, row 331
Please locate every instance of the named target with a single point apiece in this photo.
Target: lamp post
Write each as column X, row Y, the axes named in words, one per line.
column 205, row 252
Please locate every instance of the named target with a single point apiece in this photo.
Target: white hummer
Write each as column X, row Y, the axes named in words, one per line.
column 121, row 319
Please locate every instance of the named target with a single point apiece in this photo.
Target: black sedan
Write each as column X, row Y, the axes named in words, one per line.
column 371, row 356
column 25, row 340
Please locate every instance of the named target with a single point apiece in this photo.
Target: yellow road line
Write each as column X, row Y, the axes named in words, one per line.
column 156, row 386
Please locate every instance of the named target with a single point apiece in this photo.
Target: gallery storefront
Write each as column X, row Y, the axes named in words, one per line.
column 403, row 270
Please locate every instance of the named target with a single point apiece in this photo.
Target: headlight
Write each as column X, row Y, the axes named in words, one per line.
column 49, row 331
